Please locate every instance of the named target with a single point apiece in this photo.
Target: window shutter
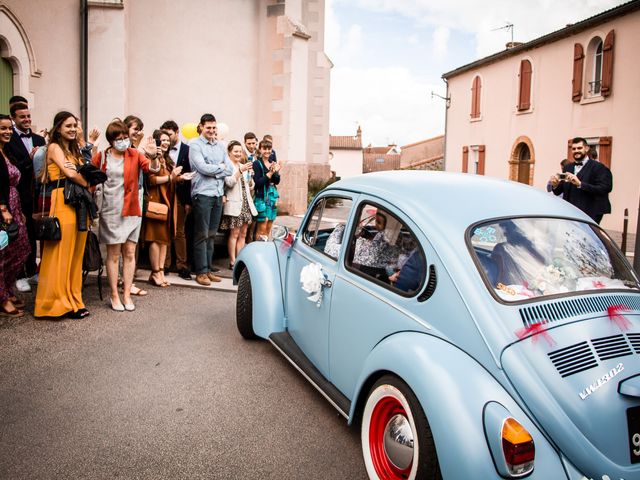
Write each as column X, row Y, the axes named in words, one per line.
column 569, row 153
column 578, row 64
column 465, row 159
column 481, row 149
column 607, row 64
column 604, row 155
column 476, row 89
column 524, row 101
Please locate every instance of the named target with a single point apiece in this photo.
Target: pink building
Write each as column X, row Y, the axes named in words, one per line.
column 512, row 114
column 258, row 65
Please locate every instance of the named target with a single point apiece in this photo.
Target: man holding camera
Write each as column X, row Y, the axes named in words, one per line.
column 585, row 183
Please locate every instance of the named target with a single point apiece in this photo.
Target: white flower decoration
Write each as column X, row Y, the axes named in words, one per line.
column 312, row 280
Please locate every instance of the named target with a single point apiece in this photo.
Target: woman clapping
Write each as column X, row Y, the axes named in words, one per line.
column 121, row 212
column 238, row 209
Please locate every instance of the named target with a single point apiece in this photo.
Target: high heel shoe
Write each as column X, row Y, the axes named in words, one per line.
column 118, row 307
column 153, row 281
column 164, row 282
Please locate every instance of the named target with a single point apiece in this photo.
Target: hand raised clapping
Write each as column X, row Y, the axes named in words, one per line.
column 150, row 148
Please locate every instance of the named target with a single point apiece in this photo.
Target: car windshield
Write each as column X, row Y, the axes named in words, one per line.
column 524, row 258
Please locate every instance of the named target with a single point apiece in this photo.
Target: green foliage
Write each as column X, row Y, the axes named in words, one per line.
column 315, row 185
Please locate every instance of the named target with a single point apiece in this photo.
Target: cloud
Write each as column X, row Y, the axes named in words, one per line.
column 531, row 18
column 440, row 41
column 390, row 103
column 413, row 39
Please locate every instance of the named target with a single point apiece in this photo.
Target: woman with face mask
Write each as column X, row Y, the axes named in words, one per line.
column 120, row 209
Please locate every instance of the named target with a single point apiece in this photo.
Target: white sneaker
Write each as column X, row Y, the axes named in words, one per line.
column 22, row 285
column 33, row 280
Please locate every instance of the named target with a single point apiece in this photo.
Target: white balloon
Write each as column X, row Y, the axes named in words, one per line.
column 223, row 130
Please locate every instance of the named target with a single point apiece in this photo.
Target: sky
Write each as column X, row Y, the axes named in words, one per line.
column 389, row 55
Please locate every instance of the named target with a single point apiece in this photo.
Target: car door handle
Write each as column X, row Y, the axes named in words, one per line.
column 327, row 283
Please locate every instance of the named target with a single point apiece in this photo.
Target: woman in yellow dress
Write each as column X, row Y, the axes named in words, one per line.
column 60, row 283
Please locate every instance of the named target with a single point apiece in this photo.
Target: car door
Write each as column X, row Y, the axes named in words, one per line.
column 375, row 293
column 319, row 242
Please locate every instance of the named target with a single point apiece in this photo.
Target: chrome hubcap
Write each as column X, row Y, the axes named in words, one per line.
column 398, row 442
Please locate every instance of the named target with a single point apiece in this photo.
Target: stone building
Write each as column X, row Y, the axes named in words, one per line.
column 512, row 114
column 258, row 65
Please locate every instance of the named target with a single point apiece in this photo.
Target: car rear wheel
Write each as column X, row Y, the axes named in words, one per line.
column 396, row 438
column 244, row 306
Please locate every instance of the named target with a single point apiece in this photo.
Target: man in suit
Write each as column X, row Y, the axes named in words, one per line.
column 20, row 149
column 585, row 183
column 179, row 153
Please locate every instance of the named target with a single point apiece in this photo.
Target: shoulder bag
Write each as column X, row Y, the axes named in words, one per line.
column 47, row 227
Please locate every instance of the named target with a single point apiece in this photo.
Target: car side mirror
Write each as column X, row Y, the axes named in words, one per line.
column 278, row 232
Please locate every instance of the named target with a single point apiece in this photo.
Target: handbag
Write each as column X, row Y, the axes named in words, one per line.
column 47, row 227
column 92, row 259
column 98, row 193
column 11, row 229
column 157, row 211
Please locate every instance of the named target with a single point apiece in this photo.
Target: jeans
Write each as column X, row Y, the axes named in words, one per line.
column 207, row 212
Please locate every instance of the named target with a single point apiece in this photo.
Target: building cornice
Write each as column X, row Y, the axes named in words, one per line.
column 568, row 31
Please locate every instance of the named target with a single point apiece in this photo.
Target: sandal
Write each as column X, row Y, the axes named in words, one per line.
column 153, row 281
column 137, row 291
column 19, row 304
column 164, row 282
column 10, row 313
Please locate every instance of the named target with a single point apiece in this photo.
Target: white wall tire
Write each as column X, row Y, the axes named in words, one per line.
column 395, row 435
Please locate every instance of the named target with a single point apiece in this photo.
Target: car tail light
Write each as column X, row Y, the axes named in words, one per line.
column 517, row 447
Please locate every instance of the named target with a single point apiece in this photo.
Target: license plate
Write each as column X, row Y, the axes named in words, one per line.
column 633, row 421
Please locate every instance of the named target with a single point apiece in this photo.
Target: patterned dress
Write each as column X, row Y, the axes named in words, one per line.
column 13, row 256
column 228, row 222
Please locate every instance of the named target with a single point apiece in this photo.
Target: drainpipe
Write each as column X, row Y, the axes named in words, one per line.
column 446, row 115
column 84, row 47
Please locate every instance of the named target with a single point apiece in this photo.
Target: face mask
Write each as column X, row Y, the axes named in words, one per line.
column 122, row 145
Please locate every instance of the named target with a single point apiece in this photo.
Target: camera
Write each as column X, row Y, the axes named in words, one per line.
column 562, row 176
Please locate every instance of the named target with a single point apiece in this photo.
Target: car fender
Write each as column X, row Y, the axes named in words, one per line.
column 433, row 368
column 261, row 259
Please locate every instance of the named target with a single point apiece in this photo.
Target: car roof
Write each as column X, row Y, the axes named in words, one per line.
column 454, row 201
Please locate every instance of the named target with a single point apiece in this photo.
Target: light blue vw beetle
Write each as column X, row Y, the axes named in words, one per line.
column 473, row 328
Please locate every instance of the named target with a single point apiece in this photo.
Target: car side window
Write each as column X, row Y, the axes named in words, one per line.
column 325, row 227
column 384, row 250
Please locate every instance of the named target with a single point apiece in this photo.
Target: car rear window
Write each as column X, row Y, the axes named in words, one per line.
column 525, row 258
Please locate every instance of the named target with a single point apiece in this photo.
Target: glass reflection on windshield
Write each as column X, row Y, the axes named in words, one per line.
column 525, row 258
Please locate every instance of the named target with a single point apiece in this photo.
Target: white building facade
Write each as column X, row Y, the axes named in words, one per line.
column 257, row 65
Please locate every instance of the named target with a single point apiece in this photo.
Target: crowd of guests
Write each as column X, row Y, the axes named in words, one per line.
column 168, row 193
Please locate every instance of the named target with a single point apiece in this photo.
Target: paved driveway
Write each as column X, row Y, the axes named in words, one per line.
column 168, row 391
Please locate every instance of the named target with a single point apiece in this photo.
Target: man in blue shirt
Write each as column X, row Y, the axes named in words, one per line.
column 210, row 162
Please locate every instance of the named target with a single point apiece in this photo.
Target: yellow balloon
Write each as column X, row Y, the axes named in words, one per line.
column 189, row 130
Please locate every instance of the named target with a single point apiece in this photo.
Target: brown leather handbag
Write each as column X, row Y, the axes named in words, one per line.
column 157, row 211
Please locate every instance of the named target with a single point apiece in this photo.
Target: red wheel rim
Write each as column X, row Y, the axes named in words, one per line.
column 386, row 408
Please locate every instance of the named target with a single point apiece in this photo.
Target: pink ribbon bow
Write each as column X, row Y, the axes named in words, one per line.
column 615, row 315
column 533, row 331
